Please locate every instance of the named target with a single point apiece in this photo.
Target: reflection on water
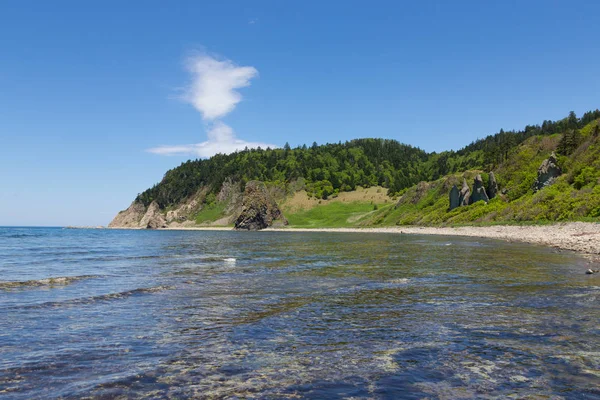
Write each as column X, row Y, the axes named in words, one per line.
column 91, row 313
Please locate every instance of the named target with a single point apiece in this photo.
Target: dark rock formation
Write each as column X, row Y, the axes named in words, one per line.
column 454, row 198
column 547, row 173
column 465, row 194
column 479, row 192
column 592, row 271
column 464, row 197
column 259, row 210
column 492, row 190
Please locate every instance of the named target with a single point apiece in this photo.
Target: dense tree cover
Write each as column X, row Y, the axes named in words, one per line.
column 327, row 169
column 489, row 152
column 331, row 168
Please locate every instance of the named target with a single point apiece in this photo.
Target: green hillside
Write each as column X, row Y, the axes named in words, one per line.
column 574, row 196
column 416, row 183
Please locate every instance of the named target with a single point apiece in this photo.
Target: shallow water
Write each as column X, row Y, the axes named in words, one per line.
column 131, row 314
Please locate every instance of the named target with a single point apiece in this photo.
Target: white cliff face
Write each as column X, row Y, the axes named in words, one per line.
column 129, row 218
column 183, row 214
column 153, row 219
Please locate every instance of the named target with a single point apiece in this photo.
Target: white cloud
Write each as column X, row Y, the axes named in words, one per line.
column 213, row 92
column 213, row 88
column 221, row 139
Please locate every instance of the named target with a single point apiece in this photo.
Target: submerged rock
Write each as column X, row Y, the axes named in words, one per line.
column 492, row 186
column 479, row 192
column 547, row 173
column 465, row 194
column 259, row 210
column 454, row 198
column 592, row 271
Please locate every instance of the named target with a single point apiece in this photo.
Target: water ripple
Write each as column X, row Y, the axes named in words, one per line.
column 142, row 314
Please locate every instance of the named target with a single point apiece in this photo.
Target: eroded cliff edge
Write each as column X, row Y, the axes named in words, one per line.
column 253, row 209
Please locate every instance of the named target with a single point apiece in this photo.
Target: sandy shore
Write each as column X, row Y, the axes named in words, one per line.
column 582, row 237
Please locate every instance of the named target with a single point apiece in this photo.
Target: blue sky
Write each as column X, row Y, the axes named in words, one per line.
column 87, row 88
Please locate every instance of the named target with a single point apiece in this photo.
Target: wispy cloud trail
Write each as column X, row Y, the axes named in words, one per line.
column 221, row 139
column 213, row 91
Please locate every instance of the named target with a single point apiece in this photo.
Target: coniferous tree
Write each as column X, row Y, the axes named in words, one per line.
column 572, row 120
column 569, row 142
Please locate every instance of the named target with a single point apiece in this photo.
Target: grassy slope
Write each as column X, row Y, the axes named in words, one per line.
column 332, row 215
column 210, row 213
column 575, row 195
column 346, row 210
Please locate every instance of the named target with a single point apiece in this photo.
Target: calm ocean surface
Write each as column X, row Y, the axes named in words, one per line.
column 134, row 314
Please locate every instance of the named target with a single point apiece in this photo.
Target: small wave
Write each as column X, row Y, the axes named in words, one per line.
column 373, row 286
column 398, row 281
column 230, row 260
column 21, row 235
column 54, row 281
column 100, row 298
column 204, row 259
column 127, row 293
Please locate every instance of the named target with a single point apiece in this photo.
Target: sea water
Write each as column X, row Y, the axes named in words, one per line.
column 179, row 314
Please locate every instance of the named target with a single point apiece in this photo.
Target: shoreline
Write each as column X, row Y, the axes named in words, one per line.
column 581, row 237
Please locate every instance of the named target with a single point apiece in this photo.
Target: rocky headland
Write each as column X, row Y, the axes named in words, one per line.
column 253, row 209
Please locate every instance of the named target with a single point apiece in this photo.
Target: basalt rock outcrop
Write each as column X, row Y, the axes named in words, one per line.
column 464, row 197
column 454, row 198
column 465, row 194
column 547, row 173
column 259, row 210
column 492, row 186
column 479, row 192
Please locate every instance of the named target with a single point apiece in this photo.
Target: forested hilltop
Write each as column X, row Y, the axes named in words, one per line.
column 211, row 188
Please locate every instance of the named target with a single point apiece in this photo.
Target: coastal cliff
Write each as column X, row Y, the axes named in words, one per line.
column 130, row 217
column 254, row 209
column 548, row 172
